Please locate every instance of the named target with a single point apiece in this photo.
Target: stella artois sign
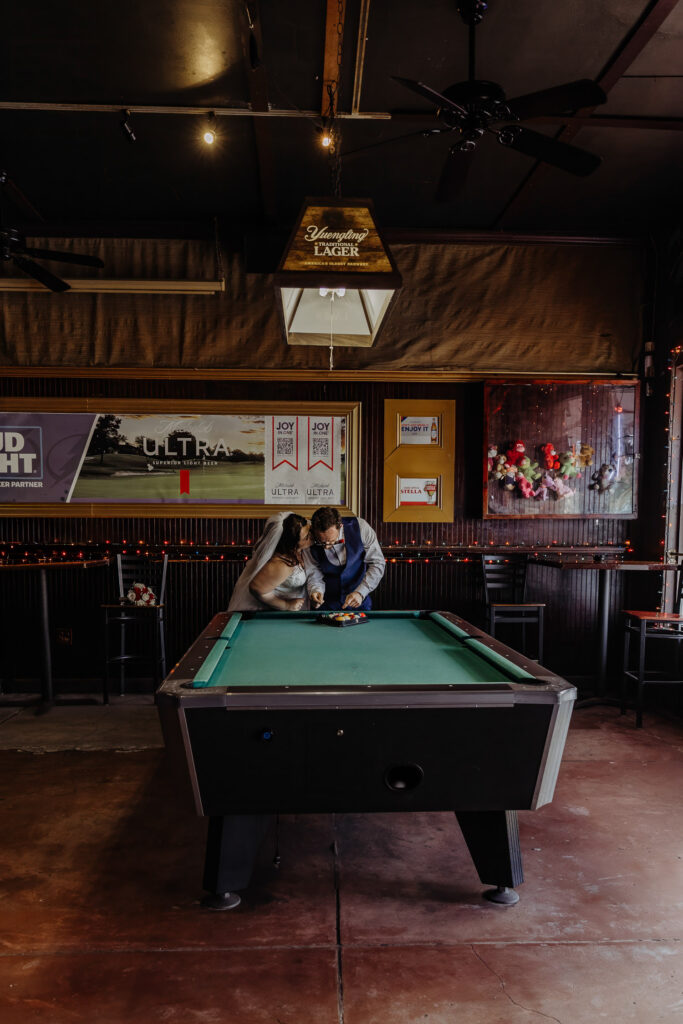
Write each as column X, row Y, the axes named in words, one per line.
column 336, row 279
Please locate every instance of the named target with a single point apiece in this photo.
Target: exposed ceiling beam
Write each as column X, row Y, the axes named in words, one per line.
column 600, row 120
column 632, row 45
column 360, row 55
column 334, row 38
column 133, row 108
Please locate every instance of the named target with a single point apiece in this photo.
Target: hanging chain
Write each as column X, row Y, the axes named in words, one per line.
column 331, row 329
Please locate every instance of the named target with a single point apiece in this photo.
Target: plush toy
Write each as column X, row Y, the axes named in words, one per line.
column 529, row 469
column 524, row 485
column 549, row 456
column 499, row 467
column 516, row 453
column 542, row 490
column 586, row 453
column 552, row 485
column 547, row 486
column 509, row 477
column 491, row 456
column 603, row 478
column 569, row 467
column 562, row 490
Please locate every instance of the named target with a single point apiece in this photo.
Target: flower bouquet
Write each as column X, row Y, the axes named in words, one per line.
column 141, row 595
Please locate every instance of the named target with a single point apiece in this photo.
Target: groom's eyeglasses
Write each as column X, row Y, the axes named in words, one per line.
column 329, row 543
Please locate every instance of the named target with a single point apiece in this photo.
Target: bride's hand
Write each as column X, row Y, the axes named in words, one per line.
column 296, row 605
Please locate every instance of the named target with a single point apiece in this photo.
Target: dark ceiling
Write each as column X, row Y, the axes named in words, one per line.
column 68, row 71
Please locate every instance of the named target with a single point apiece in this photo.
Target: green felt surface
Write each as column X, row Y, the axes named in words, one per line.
column 390, row 650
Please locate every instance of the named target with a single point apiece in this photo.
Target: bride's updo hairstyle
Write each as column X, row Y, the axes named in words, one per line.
column 292, row 526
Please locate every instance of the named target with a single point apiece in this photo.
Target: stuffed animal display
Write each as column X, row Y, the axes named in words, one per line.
column 551, row 476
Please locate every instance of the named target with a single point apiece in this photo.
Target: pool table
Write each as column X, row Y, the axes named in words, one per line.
column 277, row 712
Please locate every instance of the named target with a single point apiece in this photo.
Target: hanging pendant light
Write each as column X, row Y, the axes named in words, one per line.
column 336, row 257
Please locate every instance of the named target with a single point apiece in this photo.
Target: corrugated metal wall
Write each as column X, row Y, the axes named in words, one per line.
column 431, row 569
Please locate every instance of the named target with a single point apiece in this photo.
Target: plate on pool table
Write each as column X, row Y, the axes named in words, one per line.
column 343, row 618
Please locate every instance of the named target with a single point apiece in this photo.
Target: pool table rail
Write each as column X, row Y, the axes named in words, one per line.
column 197, row 671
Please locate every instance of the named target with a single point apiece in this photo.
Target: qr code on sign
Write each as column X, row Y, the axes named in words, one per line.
column 321, row 446
column 285, row 446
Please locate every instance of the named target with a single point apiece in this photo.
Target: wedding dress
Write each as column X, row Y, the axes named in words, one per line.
column 292, row 588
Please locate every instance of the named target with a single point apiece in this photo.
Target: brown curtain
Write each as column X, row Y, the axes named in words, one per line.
column 481, row 308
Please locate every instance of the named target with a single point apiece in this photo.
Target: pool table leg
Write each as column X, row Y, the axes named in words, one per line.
column 232, row 844
column 492, row 838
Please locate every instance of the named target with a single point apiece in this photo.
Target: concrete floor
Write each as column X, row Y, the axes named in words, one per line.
column 371, row 919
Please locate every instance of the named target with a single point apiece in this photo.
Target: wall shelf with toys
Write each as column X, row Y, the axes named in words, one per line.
column 557, row 449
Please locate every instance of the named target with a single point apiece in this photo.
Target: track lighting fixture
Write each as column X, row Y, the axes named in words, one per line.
column 209, row 133
column 126, row 127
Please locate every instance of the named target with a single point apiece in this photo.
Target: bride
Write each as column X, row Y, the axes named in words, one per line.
column 274, row 576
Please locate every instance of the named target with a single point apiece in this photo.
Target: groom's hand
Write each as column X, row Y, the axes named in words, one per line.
column 353, row 600
column 316, row 598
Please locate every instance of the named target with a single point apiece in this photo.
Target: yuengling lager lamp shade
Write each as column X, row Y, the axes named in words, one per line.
column 336, row 280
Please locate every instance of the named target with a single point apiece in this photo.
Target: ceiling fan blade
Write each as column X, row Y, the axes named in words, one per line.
column 385, row 142
column 55, row 284
column 430, row 94
column 64, row 257
column 454, row 174
column 560, row 99
column 551, row 151
column 13, row 194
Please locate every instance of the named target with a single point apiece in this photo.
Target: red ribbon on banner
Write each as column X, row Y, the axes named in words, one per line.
column 184, row 481
column 330, row 438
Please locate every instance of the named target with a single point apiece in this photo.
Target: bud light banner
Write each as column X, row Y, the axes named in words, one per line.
column 250, row 459
column 41, row 454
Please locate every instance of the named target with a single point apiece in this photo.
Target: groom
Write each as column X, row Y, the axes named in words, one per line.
column 345, row 562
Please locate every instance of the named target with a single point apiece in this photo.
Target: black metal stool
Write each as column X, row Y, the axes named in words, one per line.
column 146, row 620
column 646, row 626
column 504, row 590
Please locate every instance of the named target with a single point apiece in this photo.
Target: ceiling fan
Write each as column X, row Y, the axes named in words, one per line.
column 475, row 107
column 13, row 247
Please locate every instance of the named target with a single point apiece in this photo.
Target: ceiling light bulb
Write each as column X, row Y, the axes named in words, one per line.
column 326, row 140
column 341, row 292
column 209, row 133
column 323, row 292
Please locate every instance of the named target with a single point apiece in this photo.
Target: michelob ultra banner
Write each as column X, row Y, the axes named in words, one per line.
column 304, row 459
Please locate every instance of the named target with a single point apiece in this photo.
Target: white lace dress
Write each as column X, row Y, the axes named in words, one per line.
column 291, row 589
column 294, row 586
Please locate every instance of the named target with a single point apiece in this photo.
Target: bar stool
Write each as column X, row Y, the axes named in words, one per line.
column 146, row 621
column 651, row 626
column 504, row 590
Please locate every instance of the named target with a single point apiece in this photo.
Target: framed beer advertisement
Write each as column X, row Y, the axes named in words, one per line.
column 419, row 453
column 74, row 457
